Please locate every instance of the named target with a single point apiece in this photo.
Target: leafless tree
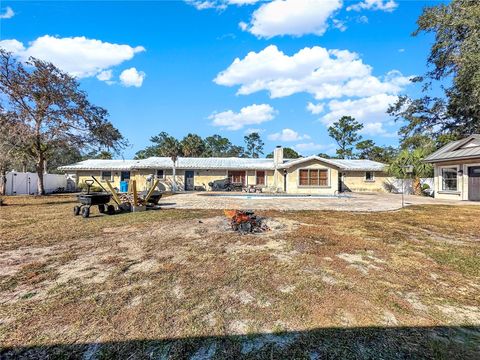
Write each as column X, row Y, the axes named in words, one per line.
column 49, row 104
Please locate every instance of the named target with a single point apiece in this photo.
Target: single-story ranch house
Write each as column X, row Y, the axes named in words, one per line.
column 457, row 169
column 309, row 175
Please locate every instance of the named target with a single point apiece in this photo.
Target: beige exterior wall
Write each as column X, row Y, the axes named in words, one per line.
column 293, row 186
column 462, row 181
column 81, row 176
column 273, row 179
column 355, row 181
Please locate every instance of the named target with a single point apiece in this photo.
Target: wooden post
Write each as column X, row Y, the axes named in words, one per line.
column 134, row 191
column 114, row 193
column 150, row 192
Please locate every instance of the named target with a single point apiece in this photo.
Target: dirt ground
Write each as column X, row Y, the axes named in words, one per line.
column 176, row 284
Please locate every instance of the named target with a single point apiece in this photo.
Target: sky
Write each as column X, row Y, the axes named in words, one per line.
column 284, row 68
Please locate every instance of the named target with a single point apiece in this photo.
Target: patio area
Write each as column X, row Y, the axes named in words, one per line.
column 363, row 202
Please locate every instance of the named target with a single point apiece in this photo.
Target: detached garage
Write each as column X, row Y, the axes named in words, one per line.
column 457, row 169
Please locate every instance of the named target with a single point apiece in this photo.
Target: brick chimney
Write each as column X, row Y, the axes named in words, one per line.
column 278, row 155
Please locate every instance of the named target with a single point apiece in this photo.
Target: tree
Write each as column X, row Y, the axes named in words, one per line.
column 368, row 150
column 288, row 153
column 454, row 62
column 413, row 159
column 235, row 151
column 55, row 112
column 326, row 156
column 345, row 133
column 11, row 144
column 161, row 147
column 218, row 146
column 173, row 149
column 254, row 145
column 193, row 146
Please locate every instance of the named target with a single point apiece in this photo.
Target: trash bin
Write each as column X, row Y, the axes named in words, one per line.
column 123, row 186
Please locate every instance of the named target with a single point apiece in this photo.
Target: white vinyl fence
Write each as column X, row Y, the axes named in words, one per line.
column 21, row 183
column 396, row 185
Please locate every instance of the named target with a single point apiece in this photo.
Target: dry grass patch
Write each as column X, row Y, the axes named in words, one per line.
column 179, row 284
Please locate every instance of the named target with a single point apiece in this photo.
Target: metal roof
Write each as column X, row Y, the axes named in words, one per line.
column 347, row 165
column 467, row 148
column 97, row 164
column 230, row 163
column 227, row 163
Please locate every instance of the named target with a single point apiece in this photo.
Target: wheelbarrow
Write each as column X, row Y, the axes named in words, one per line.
column 100, row 199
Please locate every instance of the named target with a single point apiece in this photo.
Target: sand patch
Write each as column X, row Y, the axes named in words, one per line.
column 462, row 314
column 362, row 262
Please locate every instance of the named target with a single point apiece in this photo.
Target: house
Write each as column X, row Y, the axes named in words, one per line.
column 308, row 175
column 457, row 169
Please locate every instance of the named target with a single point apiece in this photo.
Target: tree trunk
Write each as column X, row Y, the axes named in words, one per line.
column 40, row 167
column 3, row 181
column 174, row 182
column 417, row 186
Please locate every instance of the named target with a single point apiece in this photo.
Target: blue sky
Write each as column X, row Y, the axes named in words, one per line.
column 169, row 65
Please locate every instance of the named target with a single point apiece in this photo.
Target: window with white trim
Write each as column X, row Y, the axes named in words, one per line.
column 106, row 175
column 369, row 176
column 160, row 174
column 449, row 179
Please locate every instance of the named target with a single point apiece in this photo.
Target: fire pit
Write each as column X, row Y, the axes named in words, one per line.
column 245, row 221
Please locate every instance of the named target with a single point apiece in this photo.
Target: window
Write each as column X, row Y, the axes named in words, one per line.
column 237, row 177
column 106, row 175
column 369, row 176
column 260, row 178
column 160, row 174
column 313, row 177
column 449, row 176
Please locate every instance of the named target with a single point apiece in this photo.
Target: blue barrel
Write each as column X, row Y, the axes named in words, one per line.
column 123, row 186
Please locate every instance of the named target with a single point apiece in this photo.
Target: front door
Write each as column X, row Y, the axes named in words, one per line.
column 474, row 183
column 125, row 176
column 189, row 180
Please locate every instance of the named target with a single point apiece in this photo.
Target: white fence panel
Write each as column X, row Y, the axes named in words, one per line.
column 20, row 183
column 396, row 185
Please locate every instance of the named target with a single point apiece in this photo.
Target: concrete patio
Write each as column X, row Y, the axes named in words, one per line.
column 355, row 202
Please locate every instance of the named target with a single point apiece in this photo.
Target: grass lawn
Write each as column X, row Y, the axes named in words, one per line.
column 177, row 284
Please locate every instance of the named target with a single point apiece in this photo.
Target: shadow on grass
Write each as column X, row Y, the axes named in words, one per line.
column 442, row 342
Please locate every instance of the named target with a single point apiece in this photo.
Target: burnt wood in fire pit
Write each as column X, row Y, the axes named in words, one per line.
column 245, row 221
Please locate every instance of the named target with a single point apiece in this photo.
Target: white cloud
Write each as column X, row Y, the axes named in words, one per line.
column 370, row 111
column 287, row 135
column 321, row 72
column 384, row 5
column 315, row 108
column 249, row 115
column 105, row 75
column 310, row 147
column 340, row 25
column 218, row 4
column 79, row 56
column 132, row 77
column 8, row 14
column 363, row 19
column 401, row 50
column 242, row 2
column 12, row 45
column 254, row 130
column 293, row 17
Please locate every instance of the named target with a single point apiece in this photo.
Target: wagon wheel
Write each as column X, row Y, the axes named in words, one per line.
column 76, row 210
column 110, row 210
column 86, row 212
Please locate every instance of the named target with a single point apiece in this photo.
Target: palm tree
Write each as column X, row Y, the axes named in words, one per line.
column 411, row 164
column 173, row 149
